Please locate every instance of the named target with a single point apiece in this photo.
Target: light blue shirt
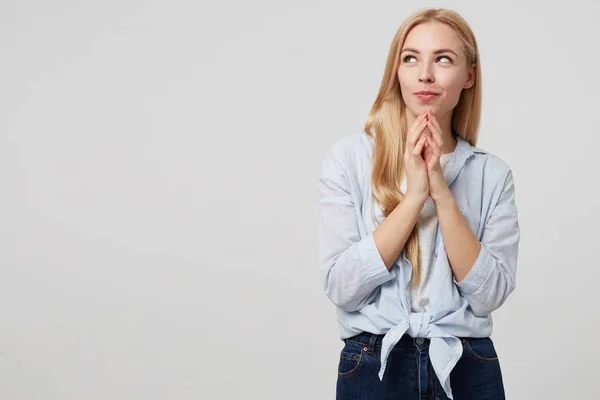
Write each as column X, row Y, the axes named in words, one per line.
column 369, row 298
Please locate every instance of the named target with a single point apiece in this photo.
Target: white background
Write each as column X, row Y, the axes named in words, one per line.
column 158, row 165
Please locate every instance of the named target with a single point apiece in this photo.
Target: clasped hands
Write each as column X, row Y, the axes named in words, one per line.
column 422, row 159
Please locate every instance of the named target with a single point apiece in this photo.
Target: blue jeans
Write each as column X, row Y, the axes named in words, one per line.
column 409, row 374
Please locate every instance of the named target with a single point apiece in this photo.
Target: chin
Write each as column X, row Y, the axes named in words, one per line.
column 436, row 109
column 416, row 109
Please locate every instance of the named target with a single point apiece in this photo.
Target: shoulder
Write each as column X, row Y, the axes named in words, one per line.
column 488, row 163
column 350, row 145
column 349, row 152
column 493, row 173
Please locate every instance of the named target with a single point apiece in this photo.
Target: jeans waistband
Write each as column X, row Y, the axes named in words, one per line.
column 373, row 341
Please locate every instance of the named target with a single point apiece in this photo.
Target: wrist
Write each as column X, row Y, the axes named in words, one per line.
column 415, row 200
column 443, row 198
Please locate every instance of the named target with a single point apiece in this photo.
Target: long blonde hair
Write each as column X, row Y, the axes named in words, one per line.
column 387, row 123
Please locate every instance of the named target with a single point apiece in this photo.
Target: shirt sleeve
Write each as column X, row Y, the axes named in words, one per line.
column 493, row 275
column 351, row 267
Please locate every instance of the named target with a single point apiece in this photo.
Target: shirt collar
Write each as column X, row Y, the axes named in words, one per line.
column 462, row 153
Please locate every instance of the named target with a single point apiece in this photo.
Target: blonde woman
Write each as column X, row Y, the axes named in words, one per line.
column 417, row 228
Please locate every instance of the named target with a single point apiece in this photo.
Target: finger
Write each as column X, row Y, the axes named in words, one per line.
column 416, row 131
column 437, row 126
column 432, row 143
column 437, row 150
column 419, row 146
column 417, row 122
column 437, row 132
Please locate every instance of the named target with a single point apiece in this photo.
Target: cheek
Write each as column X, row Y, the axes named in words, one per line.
column 408, row 76
column 407, row 87
column 404, row 87
column 452, row 89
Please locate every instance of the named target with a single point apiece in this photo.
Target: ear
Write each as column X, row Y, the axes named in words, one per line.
column 471, row 77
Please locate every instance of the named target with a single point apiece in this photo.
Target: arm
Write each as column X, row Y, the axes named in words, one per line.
column 391, row 235
column 461, row 244
column 484, row 271
column 351, row 267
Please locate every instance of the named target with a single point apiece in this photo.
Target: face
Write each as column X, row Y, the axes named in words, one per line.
column 431, row 60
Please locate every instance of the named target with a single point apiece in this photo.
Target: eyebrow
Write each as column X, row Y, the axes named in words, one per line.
column 435, row 52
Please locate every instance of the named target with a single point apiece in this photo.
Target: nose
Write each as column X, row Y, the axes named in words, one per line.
column 426, row 76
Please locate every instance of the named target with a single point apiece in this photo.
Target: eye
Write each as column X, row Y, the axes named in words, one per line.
column 406, row 58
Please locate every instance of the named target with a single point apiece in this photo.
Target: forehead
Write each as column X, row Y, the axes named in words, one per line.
column 431, row 36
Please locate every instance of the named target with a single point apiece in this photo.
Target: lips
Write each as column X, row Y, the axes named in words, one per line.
column 426, row 96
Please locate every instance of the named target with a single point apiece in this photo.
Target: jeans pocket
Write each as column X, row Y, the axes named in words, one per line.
column 481, row 350
column 352, row 358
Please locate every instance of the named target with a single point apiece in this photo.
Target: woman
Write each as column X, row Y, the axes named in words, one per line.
column 417, row 228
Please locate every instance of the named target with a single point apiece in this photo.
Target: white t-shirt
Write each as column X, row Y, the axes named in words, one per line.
column 427, row 225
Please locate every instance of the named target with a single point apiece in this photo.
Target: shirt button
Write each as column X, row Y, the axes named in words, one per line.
column 420, row 341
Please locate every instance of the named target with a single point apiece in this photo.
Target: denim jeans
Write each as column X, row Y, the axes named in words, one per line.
column 409, row 374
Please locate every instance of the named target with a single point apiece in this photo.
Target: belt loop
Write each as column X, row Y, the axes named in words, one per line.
column 372, row 342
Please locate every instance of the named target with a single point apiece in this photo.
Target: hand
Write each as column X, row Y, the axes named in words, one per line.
column 417, row 183
column 438, row 187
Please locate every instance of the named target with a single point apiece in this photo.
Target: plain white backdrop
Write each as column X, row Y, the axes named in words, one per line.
column 158, row 166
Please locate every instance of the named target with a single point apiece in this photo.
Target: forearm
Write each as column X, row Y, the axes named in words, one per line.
column 392, row 234
column 462, row 246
